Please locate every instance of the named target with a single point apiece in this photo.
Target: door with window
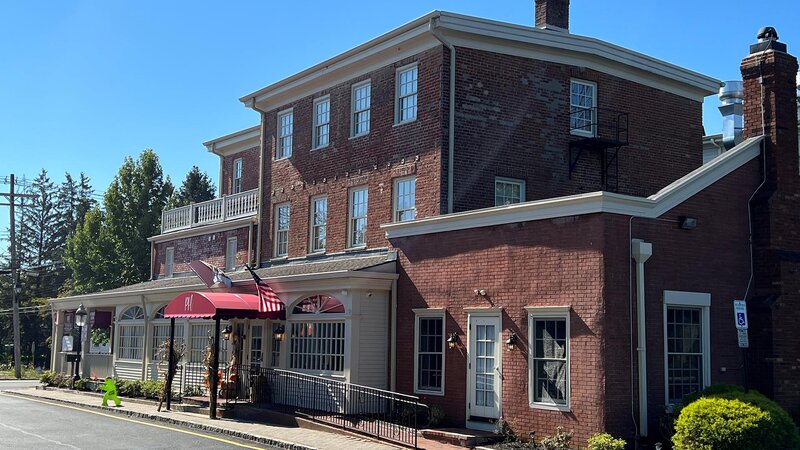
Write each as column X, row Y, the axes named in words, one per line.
column 484, row 370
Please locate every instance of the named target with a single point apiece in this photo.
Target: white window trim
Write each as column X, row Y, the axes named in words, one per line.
column 275, row 234
column 318, row 319
column 700, row 300
column 593, row 131
column 312, row 207
column 397, row 105
column 507, row 180
column 350, row 244
column 314, row 123
column 131, row 323
column 278, row 135
column 427, row 313
column 228, row 266
column 238, row 169
column 395, row 196
column 548, row 312
column 169, row 262
column 353, row 111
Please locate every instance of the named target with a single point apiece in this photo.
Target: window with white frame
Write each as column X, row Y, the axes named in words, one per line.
column 362, row 97
column 230, row 253
column 237, row 176
column 322, row 122
column 319, row 223
column 406, row 94
column 582, row 103
column 317, row 347
column 549, row 357
column 161, row 333
column 508, row 191
column 131, row 333
column 429, row 351
column 358, row 217
column 169, row 262
column 405, row 193
column 285, row 130
column 256, row 340
column 687, row 346
column 282, row 212
column 275, row 357
column 198, row 341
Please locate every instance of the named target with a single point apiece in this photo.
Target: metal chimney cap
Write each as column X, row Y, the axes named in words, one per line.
column 767, row 34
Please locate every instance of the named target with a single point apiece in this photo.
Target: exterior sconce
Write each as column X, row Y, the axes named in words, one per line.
column 687, row 223
column 226, row 333
column 511, row 342
column 279, row 333
column 481, row 292
column 452, row 340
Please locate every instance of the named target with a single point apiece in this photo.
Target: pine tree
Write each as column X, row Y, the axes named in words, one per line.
column 196, row 187
column 91, row 253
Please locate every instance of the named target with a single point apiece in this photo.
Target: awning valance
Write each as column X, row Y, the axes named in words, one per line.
column 213, row 305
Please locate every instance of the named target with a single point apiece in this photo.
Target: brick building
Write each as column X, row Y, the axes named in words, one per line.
column 506, row 221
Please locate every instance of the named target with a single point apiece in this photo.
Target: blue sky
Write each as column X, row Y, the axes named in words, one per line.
column 85, row 83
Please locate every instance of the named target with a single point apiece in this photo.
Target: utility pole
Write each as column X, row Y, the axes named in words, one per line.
column 14, row 275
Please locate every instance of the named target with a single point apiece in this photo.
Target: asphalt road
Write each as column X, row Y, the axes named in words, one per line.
column 34, row 424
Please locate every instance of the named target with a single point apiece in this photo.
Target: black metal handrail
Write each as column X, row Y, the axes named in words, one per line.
column 376, row 412
column 602, row 123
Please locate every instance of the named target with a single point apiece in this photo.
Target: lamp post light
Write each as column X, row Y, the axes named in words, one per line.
column 80, row 321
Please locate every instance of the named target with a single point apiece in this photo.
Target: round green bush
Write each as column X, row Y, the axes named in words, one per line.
column 604, row 441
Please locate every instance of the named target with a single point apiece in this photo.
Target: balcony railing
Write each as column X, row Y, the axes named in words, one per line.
column 229, row 207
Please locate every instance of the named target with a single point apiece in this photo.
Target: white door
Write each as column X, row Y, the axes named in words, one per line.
column 484, row 367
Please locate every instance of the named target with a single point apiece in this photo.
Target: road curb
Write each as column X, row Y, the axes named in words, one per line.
column 185, row 423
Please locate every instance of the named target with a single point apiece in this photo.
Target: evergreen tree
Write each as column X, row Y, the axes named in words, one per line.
column 196, row 187
column 91, row 253
column 85, row 201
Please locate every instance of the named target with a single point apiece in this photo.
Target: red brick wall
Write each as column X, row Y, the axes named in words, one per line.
column 387, row 152
column 513, row 122
column 249, row 171
column 207, row 247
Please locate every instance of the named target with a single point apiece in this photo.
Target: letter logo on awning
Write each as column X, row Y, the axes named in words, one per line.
column 187, row 302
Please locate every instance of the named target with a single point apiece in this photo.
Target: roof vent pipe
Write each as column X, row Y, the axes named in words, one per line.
column 732, row 97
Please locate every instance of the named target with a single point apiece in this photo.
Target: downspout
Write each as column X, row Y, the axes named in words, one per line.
column 260, row 179
column 451, row 114
column 393, row 339
column 641, row 252
column 250, row 242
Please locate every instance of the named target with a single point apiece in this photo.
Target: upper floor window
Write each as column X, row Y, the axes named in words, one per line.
column 237, row 176
column 358, row 217
column 282, row 229
column 407, row 94
column 405, row 190
column 362, row 94
column 322, row 122
column 169, row 262
column 508, row 191
column 582, row 103
column 230, row 253
column 285, row 130
column 319, row 223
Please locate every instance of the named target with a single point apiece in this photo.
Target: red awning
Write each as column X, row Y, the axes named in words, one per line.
column 222, row 305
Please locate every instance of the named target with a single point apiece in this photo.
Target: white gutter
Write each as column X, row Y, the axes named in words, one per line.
column 451, row 113
column 641, row 251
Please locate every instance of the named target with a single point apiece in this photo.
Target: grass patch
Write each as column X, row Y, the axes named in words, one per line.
column 27, row 372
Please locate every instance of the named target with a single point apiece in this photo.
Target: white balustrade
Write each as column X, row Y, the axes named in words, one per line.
column 243, row 204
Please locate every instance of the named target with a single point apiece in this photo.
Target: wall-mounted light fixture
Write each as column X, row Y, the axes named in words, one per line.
column 452, row 340
column 687, row 223
column 481, row 292
column 226, row 333
column 279, row 333
column 511, row 342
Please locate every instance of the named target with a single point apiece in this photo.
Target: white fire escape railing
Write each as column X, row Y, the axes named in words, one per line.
column 229, row 207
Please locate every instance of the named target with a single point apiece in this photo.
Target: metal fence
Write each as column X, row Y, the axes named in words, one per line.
column 375, row 412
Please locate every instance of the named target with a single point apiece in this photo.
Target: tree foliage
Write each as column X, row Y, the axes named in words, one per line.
column 196, row 187
column 91, row 253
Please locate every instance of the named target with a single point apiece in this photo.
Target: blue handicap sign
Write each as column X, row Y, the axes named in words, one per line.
column 740, row 319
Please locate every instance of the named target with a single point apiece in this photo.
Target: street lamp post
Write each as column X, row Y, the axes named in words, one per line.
column 80, row 321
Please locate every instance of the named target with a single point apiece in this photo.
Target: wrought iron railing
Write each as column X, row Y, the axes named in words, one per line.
column 600, row 123
column 229, row 207
column 362, row 409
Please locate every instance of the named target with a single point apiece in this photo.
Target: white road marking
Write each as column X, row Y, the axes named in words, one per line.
column 38, row 436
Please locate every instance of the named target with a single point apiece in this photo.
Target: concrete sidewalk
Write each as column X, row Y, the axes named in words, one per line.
column 274, row 435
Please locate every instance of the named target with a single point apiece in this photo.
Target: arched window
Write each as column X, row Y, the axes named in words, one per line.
column 161, row 332
column 131, row 333
column 318, row 304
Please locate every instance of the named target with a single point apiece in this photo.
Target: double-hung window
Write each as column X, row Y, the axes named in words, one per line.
column 508, row 191
column 322, row 122
column 406, row 94
column 429, row 338
column 275, row 351
column 169, row 262
column 131, row 333
column 285, row 130
column 582, row 108
column 687, row 343
column 282, row 212
column 405, row 191
column 161, row 335
column 256, row 340
column 237, row 176
column 230, row 253
column 362, row 94
column 358, row 217
column 319, row 223
column 548, row 359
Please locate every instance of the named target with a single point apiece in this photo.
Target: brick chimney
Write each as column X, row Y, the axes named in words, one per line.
column 770, row 109
column 552, row 14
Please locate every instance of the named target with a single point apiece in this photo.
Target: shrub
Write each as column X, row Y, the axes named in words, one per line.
column 152, row 388
column 129, row 388
column 604, row 441
column 559, row 441
column 80, row 384
column 46, row 377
